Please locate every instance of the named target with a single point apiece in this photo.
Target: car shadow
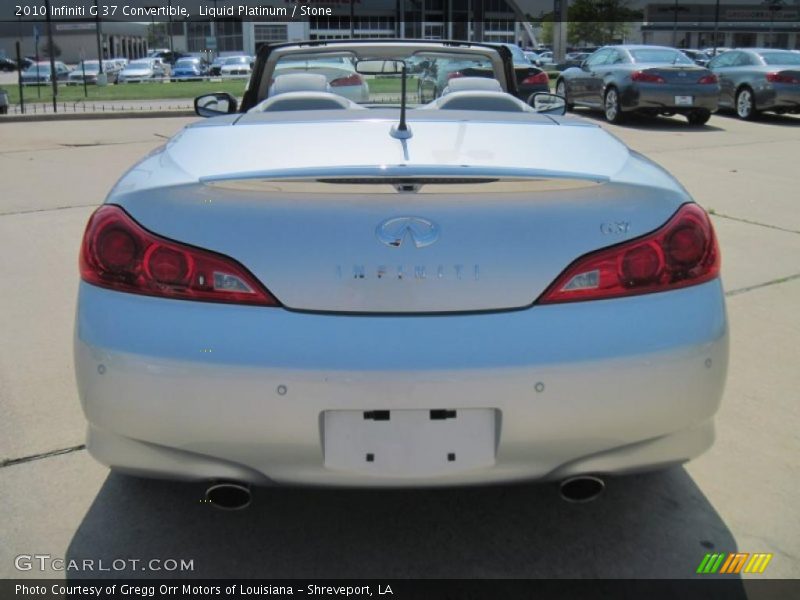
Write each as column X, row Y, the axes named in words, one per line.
column 647, row 123
column 767, row 118
column 658, row 525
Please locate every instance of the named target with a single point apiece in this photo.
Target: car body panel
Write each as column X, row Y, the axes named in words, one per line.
column 623, row 384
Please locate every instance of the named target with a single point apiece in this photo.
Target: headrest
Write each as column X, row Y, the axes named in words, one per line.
column 299, row 82
column 478, row 100
column 305, row 101
column 460, row 84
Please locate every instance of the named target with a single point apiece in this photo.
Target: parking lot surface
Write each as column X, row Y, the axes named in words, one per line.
column 741, row 495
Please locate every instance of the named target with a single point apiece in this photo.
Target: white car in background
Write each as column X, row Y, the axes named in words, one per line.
column 312, row 290
column 338, row 71
column 236, row 66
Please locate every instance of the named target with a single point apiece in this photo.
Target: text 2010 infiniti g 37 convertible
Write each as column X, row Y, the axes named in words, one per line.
column 316, row 291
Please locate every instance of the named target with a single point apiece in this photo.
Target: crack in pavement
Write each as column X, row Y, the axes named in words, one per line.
column 713, row 213
column 7, row 462
column 758, row 286
column 38, row 210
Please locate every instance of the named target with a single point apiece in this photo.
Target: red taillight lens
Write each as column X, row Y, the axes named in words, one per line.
column 683, row 252
column 354, row 79
column 645, row 77
column 708, row 79
column 781, row 78
column 454, row 75
column 539, row 78
column 119, row 254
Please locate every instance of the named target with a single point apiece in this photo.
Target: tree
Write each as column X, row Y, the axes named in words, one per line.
column 596, row 22
column 45, row 49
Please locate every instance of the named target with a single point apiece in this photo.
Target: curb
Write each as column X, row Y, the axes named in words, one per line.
column 154, row 114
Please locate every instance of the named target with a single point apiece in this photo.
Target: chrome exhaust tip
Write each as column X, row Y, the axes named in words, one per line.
column 229, row 496
column 583, row 488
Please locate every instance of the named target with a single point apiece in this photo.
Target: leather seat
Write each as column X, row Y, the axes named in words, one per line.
column 302, row 91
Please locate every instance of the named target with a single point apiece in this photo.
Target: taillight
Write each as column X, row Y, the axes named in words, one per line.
column 542, row 78
column 683, row 252
column 119, row 254
column 454, row 75
column 708, row 79
column 781, row 78
column 645, row 77
column 354, row 79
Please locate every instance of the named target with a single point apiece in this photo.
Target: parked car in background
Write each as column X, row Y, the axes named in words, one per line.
column 40, row 73
column 698, row 56
column 546, row 59
column 533, row 57
column 339, row 72
column 530, row 78
column 121, row 62
column 236, row 65
column 215, row 69
column 575, row 59
column 653, row 80
column 91, row 69
column 142, row 69
column 754, row 80
column 434, row 74
column 188, row 69
column 7, row 64
column 502, row 296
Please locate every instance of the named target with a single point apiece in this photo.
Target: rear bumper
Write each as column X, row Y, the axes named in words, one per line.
column 661, row 96
column 203, row 391
column 785, row 97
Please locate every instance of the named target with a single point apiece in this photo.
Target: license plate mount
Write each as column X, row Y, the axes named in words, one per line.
column 684, row 100
column 410, row 442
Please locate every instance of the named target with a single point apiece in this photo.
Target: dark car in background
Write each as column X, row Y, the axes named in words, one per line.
column 753, row 80
column 7, row 64
column 652, row 80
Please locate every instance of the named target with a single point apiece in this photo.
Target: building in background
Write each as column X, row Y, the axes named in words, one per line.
column 75, row 39
column 687, row 24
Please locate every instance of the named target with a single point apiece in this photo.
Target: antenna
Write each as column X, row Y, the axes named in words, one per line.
column 401, row 131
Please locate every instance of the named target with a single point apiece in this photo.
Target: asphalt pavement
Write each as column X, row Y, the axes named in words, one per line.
column 741, row 495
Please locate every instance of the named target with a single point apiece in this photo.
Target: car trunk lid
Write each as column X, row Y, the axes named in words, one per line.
column 464, row 216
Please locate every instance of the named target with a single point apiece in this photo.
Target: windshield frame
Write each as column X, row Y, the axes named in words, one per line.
column 268, row 57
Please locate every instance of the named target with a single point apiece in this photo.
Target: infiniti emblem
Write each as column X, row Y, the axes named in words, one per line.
column 393, row 232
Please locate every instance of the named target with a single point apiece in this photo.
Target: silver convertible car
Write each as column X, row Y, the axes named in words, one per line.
column 310, row 290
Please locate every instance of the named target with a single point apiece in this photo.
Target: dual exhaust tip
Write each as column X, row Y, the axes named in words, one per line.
column 582, row 488
column 237, row 496
column 229, row 496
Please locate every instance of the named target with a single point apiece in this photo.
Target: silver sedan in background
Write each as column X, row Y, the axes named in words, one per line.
column 753, row 80
column 653, row 80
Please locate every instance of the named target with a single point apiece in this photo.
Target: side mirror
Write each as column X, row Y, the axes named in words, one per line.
column 548, row 104
column 214, row 105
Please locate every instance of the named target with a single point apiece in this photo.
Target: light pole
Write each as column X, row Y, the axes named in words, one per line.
column 716, row 28
column 53, row 80
column 99, row 43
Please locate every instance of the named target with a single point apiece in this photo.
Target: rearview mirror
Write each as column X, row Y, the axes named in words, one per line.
column 214, row 105
column 380, row 67
column 548, row 104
